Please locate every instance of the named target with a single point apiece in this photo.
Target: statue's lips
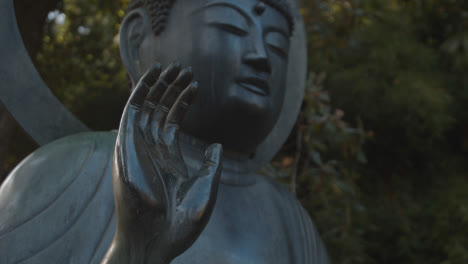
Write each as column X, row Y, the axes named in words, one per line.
column 255, row 85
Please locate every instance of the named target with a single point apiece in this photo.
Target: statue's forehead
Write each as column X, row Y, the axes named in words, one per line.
column 241, row 5
column 241, row 2
column 244, row 5
column 247, row 8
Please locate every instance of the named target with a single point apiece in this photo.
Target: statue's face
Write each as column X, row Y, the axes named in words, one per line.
column 239, row 56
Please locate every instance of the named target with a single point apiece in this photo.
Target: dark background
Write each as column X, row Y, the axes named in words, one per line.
column 379, row 153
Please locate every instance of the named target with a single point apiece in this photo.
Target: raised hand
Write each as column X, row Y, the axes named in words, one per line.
column 160, row 209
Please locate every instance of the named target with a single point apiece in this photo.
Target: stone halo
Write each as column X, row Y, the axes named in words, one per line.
column 294, row 94
column 24, row 93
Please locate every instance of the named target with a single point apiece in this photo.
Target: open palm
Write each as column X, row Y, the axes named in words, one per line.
column 161, row 210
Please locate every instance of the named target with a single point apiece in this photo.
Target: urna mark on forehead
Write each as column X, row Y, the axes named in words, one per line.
column 246, row 10
column 159, row 10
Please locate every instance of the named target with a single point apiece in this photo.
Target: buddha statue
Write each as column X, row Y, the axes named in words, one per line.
column 211, row 103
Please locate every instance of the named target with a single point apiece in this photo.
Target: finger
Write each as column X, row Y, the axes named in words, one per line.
column 148, row 80
column 174, row 90
column 131, row 114
column 201, row 196
column 167, row 77
column 177, row 113
column 143, row 86
column 168, row 99
column 152, row 75
column 156, row 90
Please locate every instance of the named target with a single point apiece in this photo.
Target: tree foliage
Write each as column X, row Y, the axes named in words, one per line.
column 80, row 60
column 396, row 68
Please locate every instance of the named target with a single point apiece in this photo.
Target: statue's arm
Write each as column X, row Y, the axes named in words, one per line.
column 160, row 209
column 57, row 205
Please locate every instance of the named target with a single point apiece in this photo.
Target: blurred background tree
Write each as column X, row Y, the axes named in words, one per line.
column 398, row 69
column 378, row 155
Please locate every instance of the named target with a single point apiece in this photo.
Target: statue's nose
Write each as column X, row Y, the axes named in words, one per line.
column 257, row 57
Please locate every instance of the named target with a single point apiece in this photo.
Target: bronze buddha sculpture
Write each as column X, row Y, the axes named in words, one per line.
column 173, row 204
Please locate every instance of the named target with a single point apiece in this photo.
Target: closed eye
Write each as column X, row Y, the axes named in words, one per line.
column 278, row 51
column 233, row 29
column 278, row 43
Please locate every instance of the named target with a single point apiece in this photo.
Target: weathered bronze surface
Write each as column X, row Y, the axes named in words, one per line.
column 178, row 198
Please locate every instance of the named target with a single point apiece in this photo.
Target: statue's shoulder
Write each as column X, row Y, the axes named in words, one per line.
column 282, row 194
column 300, row 225
column 51, row 199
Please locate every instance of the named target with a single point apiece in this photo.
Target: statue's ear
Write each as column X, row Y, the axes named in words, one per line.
column 133, row 30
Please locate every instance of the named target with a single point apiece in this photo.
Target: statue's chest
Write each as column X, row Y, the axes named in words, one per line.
column 244, row 228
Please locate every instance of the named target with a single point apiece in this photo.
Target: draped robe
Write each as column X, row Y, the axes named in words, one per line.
column 57, row 206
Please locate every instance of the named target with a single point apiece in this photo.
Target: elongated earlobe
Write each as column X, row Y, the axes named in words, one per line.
column 132, row 33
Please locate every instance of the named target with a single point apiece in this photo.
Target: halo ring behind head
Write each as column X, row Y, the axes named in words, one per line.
column 295, row 83
column 24, row 93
